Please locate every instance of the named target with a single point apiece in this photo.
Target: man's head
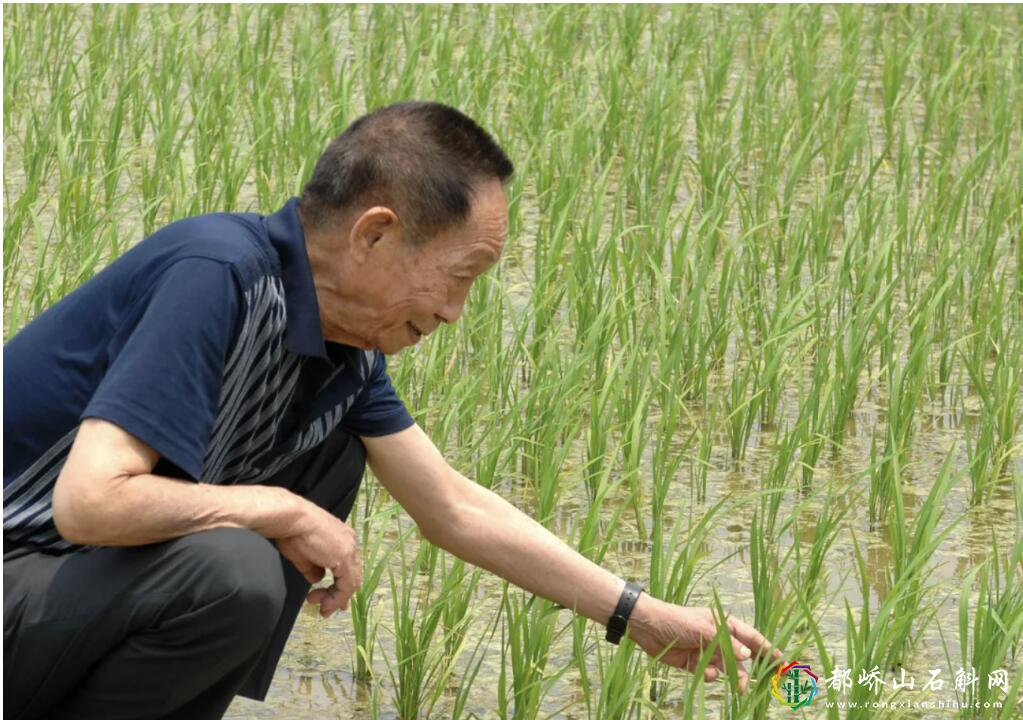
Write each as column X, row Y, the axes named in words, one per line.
column 404, row 210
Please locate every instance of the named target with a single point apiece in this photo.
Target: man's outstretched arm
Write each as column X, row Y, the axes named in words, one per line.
column 482, row 528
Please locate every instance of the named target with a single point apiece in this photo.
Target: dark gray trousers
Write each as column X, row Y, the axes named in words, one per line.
column 170, row 630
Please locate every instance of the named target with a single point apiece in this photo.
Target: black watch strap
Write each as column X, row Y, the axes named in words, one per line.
column 620, row 619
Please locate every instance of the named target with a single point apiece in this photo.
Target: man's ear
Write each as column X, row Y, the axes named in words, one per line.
column 372, row 226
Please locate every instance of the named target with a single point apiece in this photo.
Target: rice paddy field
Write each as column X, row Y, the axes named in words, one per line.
column 756, row 339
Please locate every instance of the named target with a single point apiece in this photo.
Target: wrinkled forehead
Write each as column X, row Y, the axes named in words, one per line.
column 466, row 253
column 475, row 245
column 478, row 242
column 490, row 213
column 484, row 255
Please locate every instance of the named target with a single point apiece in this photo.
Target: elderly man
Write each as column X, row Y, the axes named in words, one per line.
column 185, row 435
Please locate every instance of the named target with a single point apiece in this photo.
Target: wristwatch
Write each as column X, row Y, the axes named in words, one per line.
column 616, row 625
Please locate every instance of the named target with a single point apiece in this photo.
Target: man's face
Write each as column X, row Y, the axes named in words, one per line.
column 408, row 291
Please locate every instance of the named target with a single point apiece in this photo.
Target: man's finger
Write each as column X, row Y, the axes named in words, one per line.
column 717, row 660
column 689, row 660
column 678, row 658
column 715, row 670
column 312, row 573
column 334, row 599
column 327, row 603
column 752, row 638
column 708, row 633
column 344, row 595
column 347, row 583
column 740, row 651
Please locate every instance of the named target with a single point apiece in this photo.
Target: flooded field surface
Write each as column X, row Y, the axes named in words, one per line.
column 756, row 339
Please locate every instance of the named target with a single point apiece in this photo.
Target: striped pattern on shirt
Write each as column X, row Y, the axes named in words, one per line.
column 258, row 383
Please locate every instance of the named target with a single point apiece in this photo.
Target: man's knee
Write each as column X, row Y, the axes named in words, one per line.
column 238, row 571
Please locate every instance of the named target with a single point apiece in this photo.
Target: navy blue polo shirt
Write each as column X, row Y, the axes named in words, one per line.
column 203, row 341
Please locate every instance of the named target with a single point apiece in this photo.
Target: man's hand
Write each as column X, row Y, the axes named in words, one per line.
column 323, row 543
column 655, row 625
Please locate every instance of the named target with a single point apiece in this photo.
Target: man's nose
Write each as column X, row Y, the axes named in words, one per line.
column 452, row 310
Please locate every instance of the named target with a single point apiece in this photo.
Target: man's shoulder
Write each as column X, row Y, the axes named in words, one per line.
column 236, row 239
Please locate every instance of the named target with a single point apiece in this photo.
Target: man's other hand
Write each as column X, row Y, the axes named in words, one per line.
column 655, row 625
column 323, row 542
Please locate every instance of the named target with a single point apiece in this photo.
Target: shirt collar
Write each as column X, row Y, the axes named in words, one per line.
column 304, row 332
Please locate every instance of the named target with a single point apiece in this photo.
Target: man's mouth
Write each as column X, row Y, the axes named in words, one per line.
column 416, row 332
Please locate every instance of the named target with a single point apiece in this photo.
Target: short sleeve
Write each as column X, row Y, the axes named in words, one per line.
column 377, row 410
column 166, row 362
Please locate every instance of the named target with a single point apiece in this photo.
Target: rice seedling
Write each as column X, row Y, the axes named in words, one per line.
column 623, row 681
column 676, row 579
column 473, row 666
column 913, row 544
column 421, row 666
column 375, row 560
column 530, row 635
column 457, row 592
column 812, row 578
column 990, row 642
column 765, row 560
column 1001, row 397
